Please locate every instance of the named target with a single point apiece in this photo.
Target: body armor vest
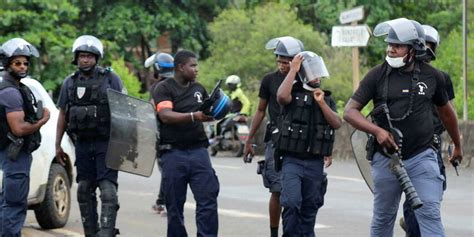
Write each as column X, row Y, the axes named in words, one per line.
column 32, row 141
column 303, row 128
column 88, row 109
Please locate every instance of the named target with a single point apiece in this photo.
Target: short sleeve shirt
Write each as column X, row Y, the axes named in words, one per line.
column 10, row 98
column 417, row 128
column 185, row 100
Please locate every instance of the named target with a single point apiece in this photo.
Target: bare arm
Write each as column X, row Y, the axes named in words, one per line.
column 256, row 121
column 354, row 117
column 169, row 116
column 284, row 91
column 332, row 117
column 450, row 122
column 19, row 127
column 60, row 129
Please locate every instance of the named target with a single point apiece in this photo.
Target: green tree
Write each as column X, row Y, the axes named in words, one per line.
column 49, row 26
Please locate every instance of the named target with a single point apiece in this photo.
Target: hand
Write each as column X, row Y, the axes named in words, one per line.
column 202, row 117
column 456, row 156
column 385, row 139
column 248, row 149
column 318, row 95
column 295, row 63
column 327, row 161
column 46, row 115
column 60, row 156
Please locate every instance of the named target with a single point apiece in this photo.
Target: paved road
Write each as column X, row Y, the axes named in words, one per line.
column 243, row 205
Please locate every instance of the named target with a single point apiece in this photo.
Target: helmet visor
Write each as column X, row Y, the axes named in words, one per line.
column 403, row 28
column 18, row 46
column 89, row 41
column 150, row 61
column 291, row 44
column 312, row 67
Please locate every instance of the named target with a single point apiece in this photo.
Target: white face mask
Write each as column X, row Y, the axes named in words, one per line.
column 395, row 62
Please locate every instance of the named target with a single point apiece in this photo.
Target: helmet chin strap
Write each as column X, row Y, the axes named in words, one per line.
column 311, row 88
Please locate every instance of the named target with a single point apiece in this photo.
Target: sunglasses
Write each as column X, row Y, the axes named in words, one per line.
column 18, row 63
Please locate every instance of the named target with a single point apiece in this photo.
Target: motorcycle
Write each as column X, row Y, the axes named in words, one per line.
column 228, row 134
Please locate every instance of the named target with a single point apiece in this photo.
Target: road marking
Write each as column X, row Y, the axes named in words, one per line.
column 227, row 167
column 241, row 214
column 67, row 233
column 346, row 178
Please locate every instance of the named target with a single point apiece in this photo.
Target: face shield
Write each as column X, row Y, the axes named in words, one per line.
column 402, row 31
column 19, row 47
column 285, row 46
column 88, row 43
column 312, row 67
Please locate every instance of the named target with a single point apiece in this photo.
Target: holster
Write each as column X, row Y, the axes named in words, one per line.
column 15, row 146
column 370, row 147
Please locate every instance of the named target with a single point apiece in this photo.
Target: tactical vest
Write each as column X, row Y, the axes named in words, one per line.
column 32, row 141
column 303, row 128
column 88, row 108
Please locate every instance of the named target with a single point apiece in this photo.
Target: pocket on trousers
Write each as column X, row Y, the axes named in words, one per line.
column 16, row 188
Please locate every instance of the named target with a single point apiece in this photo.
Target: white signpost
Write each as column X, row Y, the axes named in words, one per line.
column 350, row 36
column 355, row 14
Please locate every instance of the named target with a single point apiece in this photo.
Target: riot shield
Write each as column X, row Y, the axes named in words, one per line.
column 358, row 143
column 133, row 134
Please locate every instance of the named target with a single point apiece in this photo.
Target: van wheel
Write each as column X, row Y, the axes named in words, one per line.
column 53, row 212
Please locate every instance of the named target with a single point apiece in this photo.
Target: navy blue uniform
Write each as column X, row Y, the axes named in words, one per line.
column 16, row 174
column 187, row 161
column 78, row 96
column 302, row 174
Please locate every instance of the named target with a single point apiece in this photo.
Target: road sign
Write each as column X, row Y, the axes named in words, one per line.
column 353, row 36
column 354, row 14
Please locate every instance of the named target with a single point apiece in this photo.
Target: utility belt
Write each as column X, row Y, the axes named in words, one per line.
column 437, row 142
column 300, row 138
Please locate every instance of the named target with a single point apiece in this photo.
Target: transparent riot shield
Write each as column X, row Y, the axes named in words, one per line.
column 133, row 134
column 358, row 142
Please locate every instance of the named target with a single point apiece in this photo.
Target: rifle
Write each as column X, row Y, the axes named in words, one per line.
column 397, row 167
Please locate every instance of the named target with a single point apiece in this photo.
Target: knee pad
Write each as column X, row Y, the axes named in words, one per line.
column 108, row 192
column 85, row 189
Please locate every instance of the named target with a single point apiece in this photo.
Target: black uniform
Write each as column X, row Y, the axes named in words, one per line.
column 186, row 161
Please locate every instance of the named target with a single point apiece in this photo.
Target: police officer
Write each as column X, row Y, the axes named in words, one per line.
column 305, row 141
column 19, row 134
column 163, row 65
column 408, row 87
column 84, row 114
column 284, row 48
column 410, row 224
column 184, row 154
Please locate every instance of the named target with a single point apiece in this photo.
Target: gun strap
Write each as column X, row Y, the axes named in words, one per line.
column 414, row 81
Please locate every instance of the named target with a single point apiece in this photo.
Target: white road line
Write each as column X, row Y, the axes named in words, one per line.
column 67, row 233
column 227, row 167
column 346, row 178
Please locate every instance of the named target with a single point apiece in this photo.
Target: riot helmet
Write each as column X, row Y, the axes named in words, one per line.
column 405, row 32
column 431, row 36
column 285, row 46
column 88, row 44
column 312, row 68
column 17, row 47
column 220, row 106
column 163, row 64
